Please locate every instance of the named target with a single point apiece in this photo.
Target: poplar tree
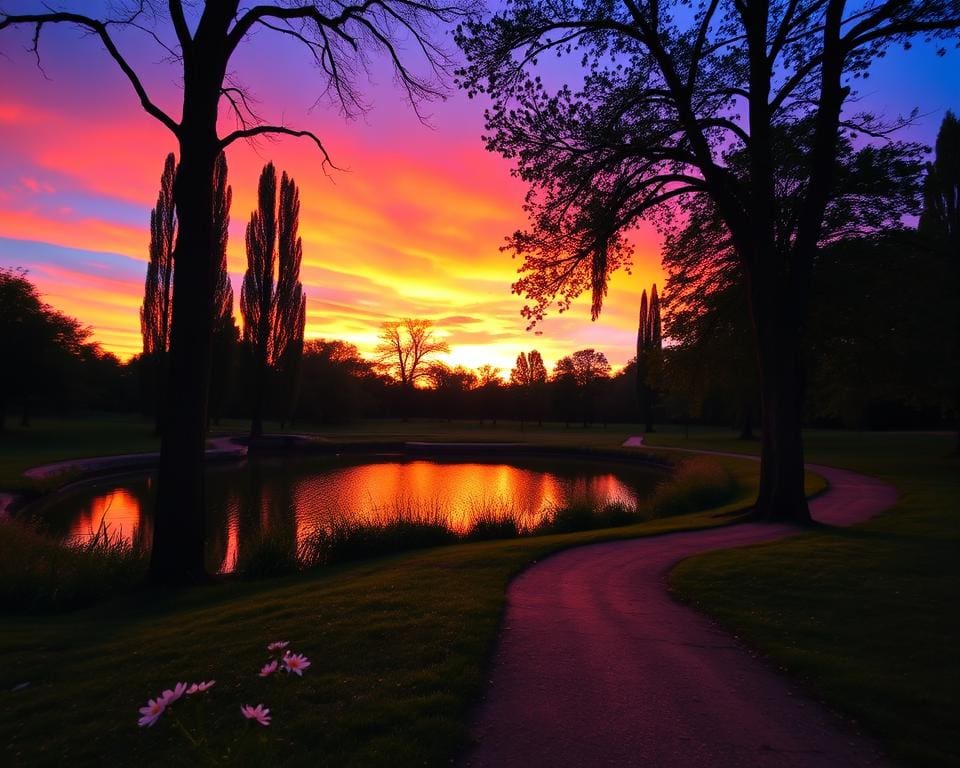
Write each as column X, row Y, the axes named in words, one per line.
column 225, row 332
column 157, row 308
column 155, row 311
column 273, row 310
column 158, row 294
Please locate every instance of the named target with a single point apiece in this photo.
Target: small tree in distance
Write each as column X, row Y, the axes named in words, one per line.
column 529, row 375
column 649, row 346
column 404, row 350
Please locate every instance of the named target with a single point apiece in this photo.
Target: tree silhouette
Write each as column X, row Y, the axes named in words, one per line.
column 649, row 345
column 226, row 334
column 576, row 378
column 342, row 42
column 37, row 344
column 157, row 294
column 451, row 386
column 273, row 310
column 155, row 313
column 940, row 223
column 529, row 375
column 404, row 348
column 670, row 91
column 335, row 380
column 941, row 190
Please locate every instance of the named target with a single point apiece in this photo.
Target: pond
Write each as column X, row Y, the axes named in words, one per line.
column 304, row 493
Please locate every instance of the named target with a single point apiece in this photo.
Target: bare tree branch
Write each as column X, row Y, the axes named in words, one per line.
column 260, row 130
column 99, row 28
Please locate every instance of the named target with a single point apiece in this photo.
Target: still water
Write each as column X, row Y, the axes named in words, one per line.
column 302, row 493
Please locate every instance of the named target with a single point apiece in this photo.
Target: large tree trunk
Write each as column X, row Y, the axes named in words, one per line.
column 179, row 524
column 781, row 495
column 179, row 536
column 259, row 395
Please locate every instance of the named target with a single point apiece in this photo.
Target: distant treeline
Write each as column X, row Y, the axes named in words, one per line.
column 866, row 379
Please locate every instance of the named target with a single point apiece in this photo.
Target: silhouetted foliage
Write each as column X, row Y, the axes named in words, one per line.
column 156, row 310
column 337, row 384
column 404, row 351
column 451, row 388
column 41, row 348
column 714, row 354
column 670, row 95
column 274, row 310
column 226, row 334
column 940, row 219
column 577, row 380
column 157, row 292
column 529, row 376
column 157, row 304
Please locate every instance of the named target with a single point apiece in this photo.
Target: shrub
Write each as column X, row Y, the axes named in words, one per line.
column 697, row 483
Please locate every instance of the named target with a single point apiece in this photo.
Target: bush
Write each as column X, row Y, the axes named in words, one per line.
column 697, row 484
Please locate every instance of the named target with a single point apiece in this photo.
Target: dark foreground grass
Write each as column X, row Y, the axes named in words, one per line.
column 398, row 648
column 866, row 617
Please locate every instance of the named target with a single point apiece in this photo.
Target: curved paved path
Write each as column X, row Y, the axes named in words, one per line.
column 598, row 666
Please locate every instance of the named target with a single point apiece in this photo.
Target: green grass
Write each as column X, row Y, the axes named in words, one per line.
column 863, row 617
column 50, row 440
column 867, row 617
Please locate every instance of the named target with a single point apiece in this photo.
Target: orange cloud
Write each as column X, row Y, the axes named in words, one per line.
column 413, row 227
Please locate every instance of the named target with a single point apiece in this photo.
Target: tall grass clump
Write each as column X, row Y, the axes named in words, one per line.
column 697, row 483
column 403, row 527
column 270, row 552
column 495, row 520
column 38, row 572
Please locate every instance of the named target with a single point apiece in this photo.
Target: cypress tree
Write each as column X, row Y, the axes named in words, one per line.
column 648, row 354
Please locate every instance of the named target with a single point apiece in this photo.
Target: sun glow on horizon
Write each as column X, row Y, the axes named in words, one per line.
column 412, row 228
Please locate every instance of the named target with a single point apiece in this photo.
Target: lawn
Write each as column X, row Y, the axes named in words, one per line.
column 398, row 645
column 867, row 618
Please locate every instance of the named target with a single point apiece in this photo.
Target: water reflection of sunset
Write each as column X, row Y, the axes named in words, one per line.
column 118, row 511
column 293, row 498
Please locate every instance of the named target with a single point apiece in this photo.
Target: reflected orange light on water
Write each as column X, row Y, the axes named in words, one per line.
column 293, row 500
column 117, row 511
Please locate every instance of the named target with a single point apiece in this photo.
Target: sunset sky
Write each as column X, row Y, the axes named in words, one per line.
column 411, row 227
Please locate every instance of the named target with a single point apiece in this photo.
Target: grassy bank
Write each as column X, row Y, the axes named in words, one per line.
column 867, row 617
column 398, row 644
column 397, row 649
